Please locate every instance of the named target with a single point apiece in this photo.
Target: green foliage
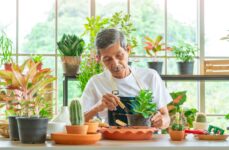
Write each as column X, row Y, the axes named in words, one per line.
column 143, row 104
column 27, row 88
column 117, row 20
column 227, row 116
column 70, row 45
column 185, row 52
column 37, row 58
column 76, row 113
column 190, row 115
column 89, row 67
column 201, row 118
column 177, row 127
column 178, row 100
column 5, row 49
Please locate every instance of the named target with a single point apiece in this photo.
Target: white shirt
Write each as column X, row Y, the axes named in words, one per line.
column 101, row 84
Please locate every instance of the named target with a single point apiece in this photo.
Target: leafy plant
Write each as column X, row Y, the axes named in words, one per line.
column 37, row 58
column 117, row 20
column 177, row 126
column 190, row 115
column 143, row 104
column 71, row 45
column 185, row 52
column 5, row 48
column 27, row 88
column 88, row 68
column 227, row 116
column 155, row 46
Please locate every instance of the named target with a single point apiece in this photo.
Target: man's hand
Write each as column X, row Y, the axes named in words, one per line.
column 109, row 101
column 161, row 119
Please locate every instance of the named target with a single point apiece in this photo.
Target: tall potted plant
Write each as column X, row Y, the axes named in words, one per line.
column 153, row 46
column 143, row 109
column 185, row 52
column 6, row 49
column 176, row 131
column 71, row 48
column 28, row 88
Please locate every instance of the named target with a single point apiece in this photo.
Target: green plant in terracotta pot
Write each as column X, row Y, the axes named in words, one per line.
column 143, row 109
column 71, row 48
column 6, row 46
column 176, row 130
column 152, row 48
column 77, row 119
column 185, row 53
column 28, row 88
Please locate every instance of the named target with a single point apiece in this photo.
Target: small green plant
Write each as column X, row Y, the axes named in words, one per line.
column 143, row 104
column 117, row 20
column 227, row 116
column 201, row 118
column 190, row 115
column 154, row 46
column 37, row 58
column 88, row 68
column 76, row 114
column 185, row 52
column 177, row 126
column 6, row 49
column 71, row 45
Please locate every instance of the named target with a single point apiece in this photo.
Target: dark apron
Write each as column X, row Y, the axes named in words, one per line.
column 119, row 113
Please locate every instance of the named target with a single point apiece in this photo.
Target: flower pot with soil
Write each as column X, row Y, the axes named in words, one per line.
column 77, row 119
column 176, row 131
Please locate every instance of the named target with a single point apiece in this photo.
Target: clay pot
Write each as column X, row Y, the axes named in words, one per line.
column 92, row 127
column 177, row 135
column 77, row 129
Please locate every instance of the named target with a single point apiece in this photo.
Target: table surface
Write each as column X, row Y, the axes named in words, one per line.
column 159, row 142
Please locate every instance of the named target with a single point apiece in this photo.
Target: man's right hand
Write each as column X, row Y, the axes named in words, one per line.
column 109, row 101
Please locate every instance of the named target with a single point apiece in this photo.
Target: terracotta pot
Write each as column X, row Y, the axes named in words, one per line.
column 8, row 67
column 77, row 129
column 92, row 127
column 176, row 135
column 71, row 65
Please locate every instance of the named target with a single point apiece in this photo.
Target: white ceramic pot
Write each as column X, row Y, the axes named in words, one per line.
column 200, row 125
column 56, row 127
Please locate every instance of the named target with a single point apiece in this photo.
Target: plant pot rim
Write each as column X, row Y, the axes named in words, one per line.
column 31, row 118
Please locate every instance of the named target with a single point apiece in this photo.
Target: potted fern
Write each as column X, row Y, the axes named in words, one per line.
column 28, row 88
column 176, row 131
column 6, row 49
column 185, row 53
column 71, row 48
column 142, row 109
column 153, row 46
column 77, row 119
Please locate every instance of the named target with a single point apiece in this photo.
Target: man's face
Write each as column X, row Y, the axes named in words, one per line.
column 115, row 58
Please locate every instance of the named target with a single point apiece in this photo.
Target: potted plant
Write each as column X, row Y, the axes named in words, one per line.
column 185, row 52
column 153, row 46
column 200, row 122
column 38, row 59
column 71, row 48
column 6, row 49
column 143, row 109
column 28, row 88
column 77, row 119
column 176, row 131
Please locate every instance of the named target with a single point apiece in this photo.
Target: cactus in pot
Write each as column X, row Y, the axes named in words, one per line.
column 77, row 119
column 201, row 122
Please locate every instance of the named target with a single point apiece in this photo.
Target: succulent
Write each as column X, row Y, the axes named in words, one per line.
column 144, row 105
column 201, row 118
column 71, row 45
column 76, row 114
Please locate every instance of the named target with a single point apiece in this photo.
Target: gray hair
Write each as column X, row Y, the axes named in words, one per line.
column 108, row 37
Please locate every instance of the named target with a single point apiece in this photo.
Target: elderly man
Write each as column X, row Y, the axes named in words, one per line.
column 101, row 93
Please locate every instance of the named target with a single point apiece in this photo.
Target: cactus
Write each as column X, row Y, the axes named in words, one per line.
column 76, row 114
column 201, row 118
